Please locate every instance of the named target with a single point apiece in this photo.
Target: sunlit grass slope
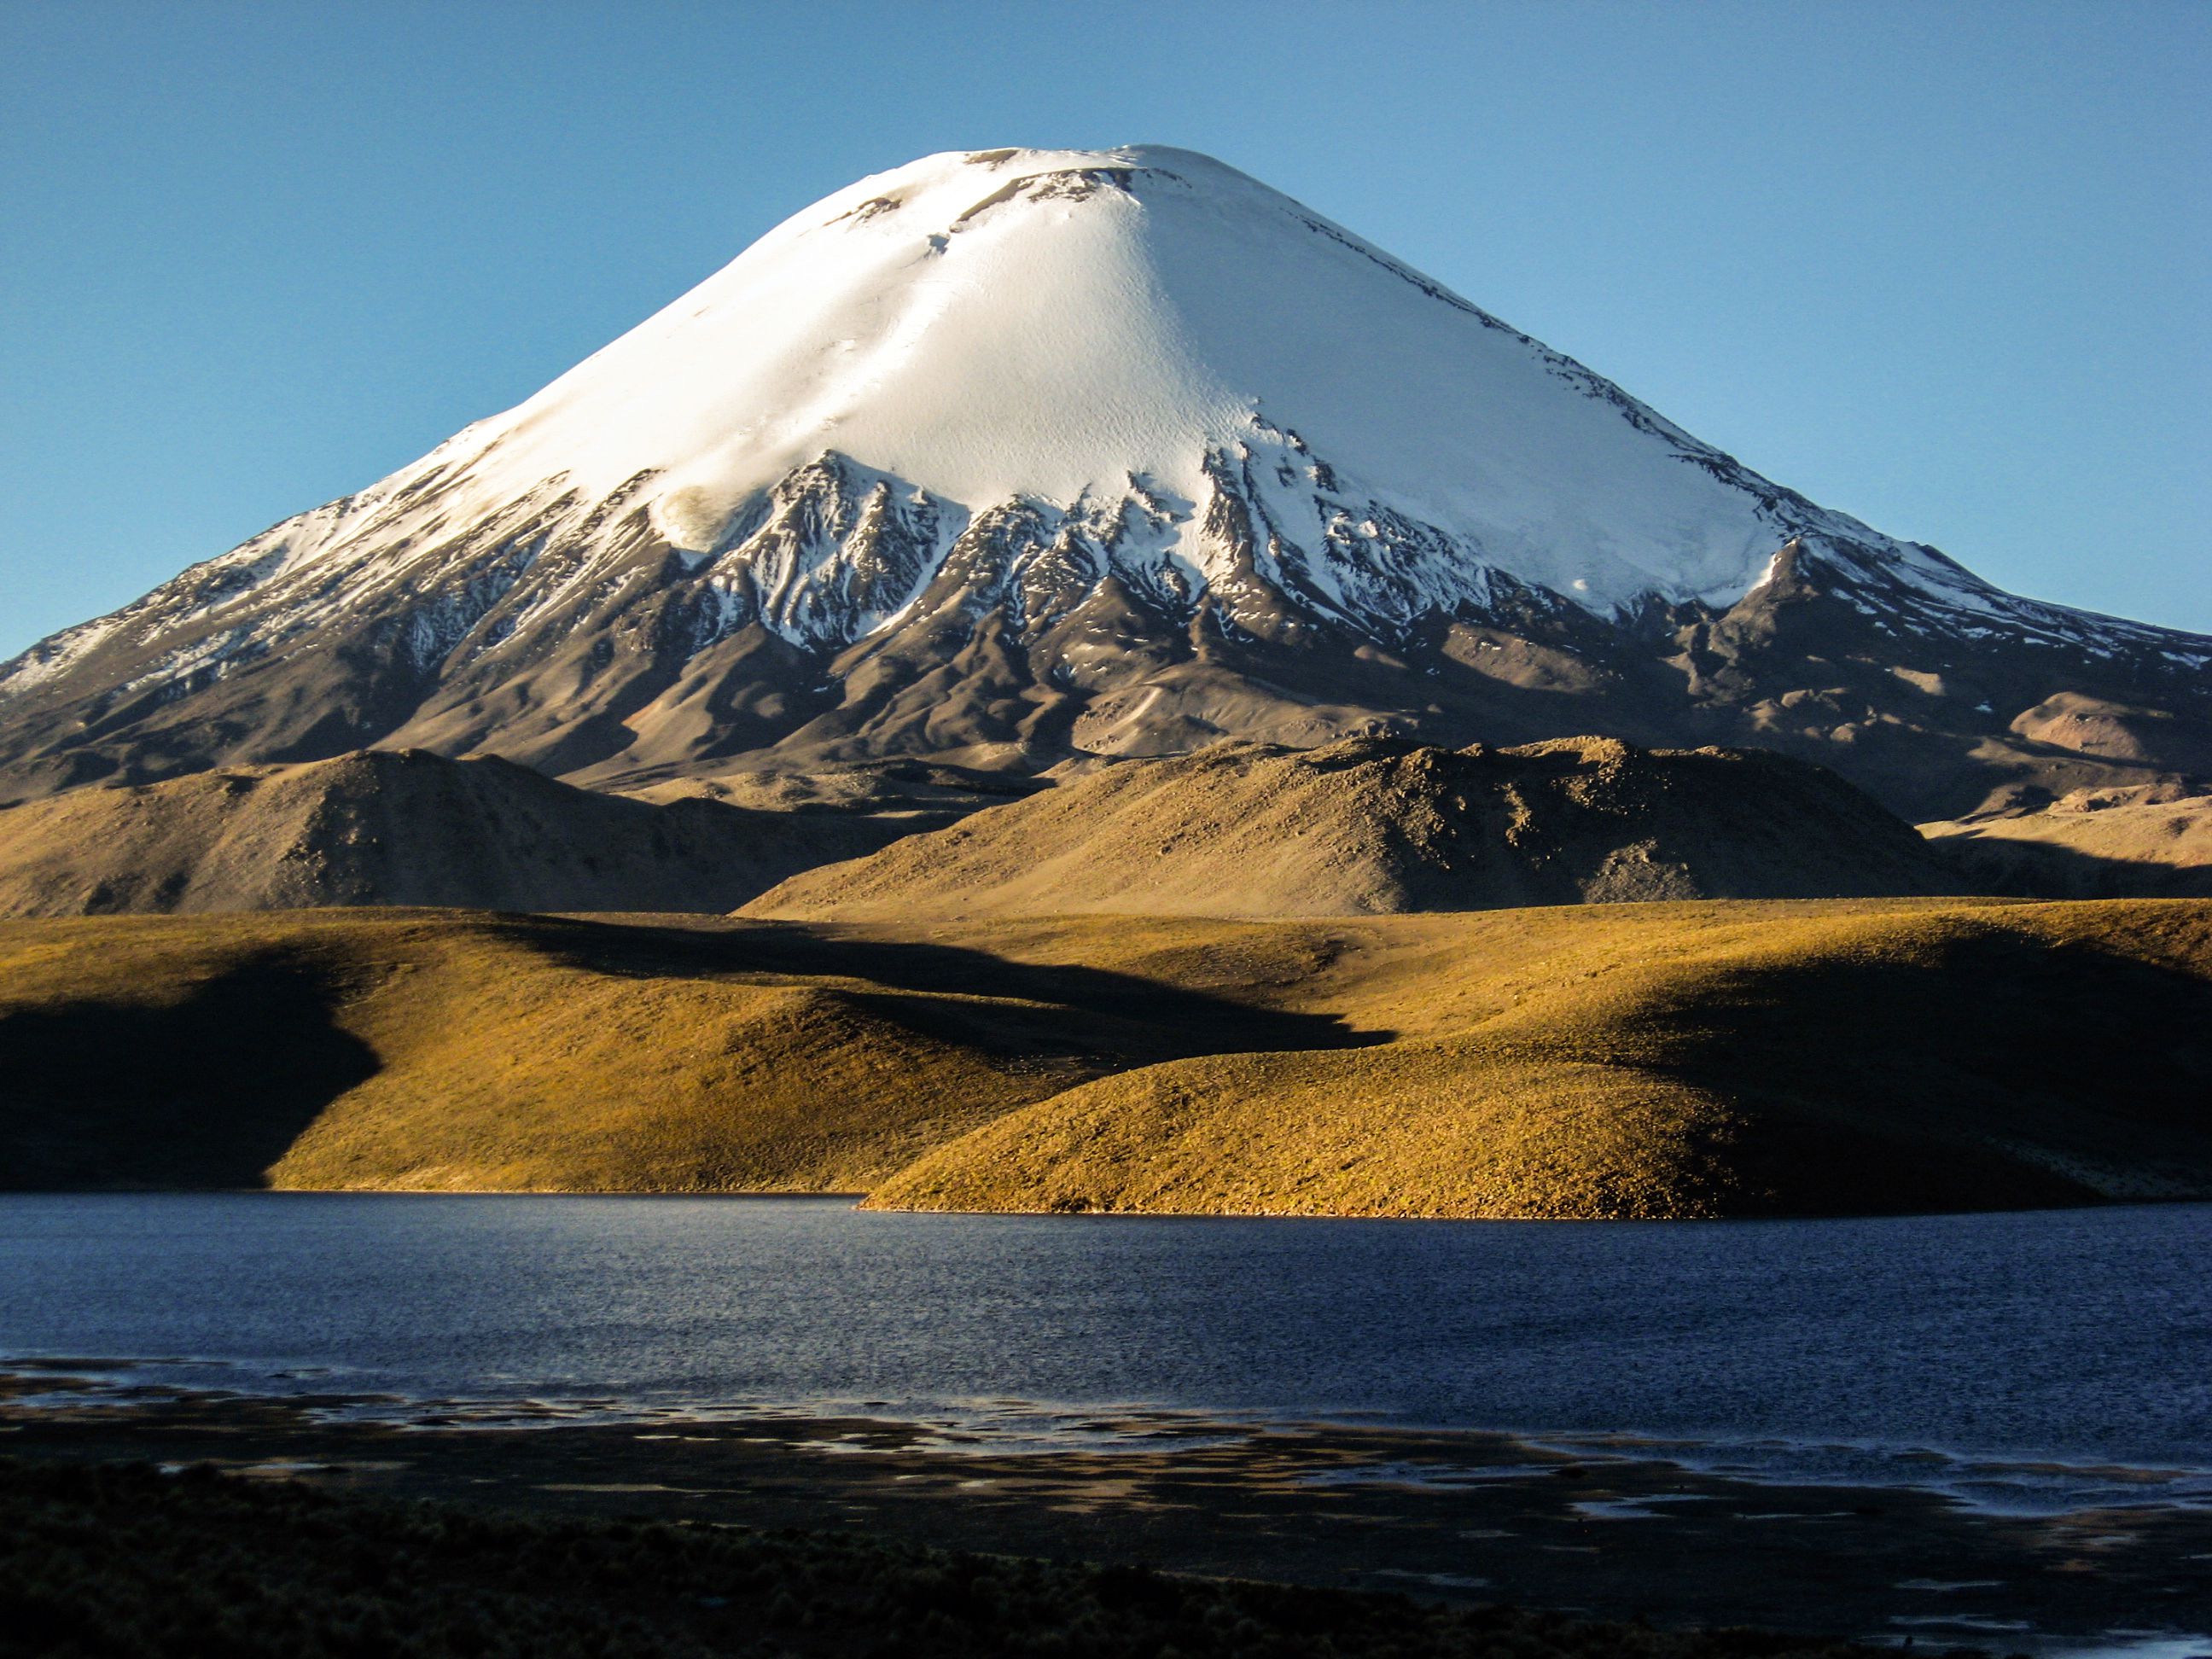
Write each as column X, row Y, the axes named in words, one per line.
column 1670, row 1061
column 1639, row 1059
column 445, row 1050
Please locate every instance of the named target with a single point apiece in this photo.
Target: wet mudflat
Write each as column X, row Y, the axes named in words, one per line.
column 1618, row 1533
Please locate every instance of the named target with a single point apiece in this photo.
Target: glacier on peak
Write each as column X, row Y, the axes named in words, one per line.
column 1042, row 324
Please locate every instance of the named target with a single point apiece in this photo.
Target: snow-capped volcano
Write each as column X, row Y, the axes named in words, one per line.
column 1084, row 329
column 1005, row 455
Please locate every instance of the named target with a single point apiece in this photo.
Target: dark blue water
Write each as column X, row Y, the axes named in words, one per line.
column 1956, row 1350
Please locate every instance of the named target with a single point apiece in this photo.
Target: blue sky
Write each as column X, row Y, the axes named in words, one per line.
column 1946, row 267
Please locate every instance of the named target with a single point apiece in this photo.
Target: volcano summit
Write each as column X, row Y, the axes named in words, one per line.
column 1010, row 456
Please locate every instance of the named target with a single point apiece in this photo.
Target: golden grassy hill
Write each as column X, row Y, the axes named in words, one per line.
column 1643, row 1060
column 443, row 1050
column 2148, row 841
column 1371, row 826
column 1670, row 1061
column 402, row 827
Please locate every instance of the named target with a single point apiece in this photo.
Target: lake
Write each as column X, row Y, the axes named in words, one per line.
column 2026, row 1361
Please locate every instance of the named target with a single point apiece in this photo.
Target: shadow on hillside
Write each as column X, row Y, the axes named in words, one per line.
column 2045, row 870
column 1068, row 1009
column 207, row 1091
column 1978, row 1075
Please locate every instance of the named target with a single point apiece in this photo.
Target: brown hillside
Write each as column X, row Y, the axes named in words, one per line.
column 1371, row 826
column 403, row 827
column 1647, row 1059
column 2152, row 840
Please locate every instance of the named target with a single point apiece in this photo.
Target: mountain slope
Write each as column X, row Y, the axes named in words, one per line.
column 1369, row 826
column 2146, row 842
column 1010, row 455
column 403, row 828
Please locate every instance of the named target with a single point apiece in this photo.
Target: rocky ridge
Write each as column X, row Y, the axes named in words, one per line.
column 1371, row 826
column 406, row 828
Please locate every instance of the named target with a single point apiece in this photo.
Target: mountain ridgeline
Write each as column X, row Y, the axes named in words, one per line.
column 1014, row 458
column 406, row 827
column 1375, row 826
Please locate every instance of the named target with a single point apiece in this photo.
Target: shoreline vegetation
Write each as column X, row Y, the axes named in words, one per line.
column 1697, row 1059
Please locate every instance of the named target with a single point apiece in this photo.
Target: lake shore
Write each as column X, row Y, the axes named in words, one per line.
column 1472, row 1518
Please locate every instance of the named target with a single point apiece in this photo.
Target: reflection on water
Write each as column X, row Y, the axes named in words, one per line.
column 2031, row 1362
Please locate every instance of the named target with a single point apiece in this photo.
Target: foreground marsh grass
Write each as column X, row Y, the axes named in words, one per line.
column 117, row 1559
column 1693, row 1058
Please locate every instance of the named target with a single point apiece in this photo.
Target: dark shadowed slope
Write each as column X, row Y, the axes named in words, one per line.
column 2148, row 842
column 407, row 827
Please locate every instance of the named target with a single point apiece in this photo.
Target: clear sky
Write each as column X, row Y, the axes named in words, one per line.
column 1945, row 267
